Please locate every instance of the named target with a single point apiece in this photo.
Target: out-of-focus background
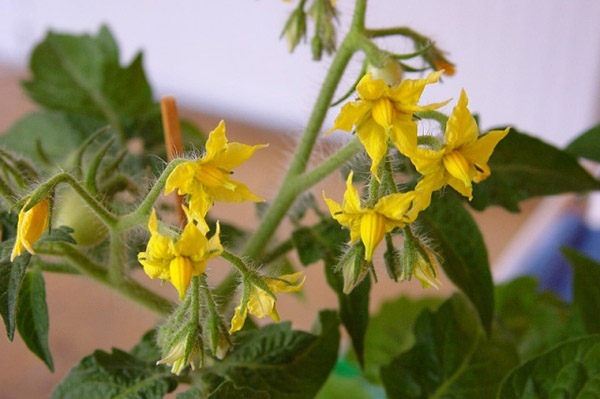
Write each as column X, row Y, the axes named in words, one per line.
column 532, row 65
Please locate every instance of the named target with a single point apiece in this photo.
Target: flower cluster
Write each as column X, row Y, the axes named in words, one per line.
column 178, row 257
column 384, row 114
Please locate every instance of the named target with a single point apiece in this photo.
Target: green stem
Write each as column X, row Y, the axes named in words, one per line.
column 388, row 176
column 195, row 305
column 278, row 251
column 116, row 260
column 358, row 19
column 130, row 289
column 237, row 262
column 401, row 31
column 289, row 190
column 107, row 217
column 52, row 267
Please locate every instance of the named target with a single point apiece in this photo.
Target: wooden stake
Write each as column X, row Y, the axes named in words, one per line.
column 173, row 141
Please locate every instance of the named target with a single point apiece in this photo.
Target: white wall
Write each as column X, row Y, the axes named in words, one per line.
column 529, row 63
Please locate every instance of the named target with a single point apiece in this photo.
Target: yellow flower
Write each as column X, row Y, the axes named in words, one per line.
column 383, row 113
column 178, row 260
column 30, row 227
column 260, row 302
column 462, row 159
column 207, row 179
column 370, row 225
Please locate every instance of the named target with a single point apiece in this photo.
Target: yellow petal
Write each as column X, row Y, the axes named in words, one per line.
column 239, row 318
column 154, row 268
column 240, row 193
column 351, row 203
column 181, row 177
column 350, row 114
column 235, row 155
column 408, row 92
column 383, row 112
column 461, row 129
column 394, row 207
column 460, row 186
column 260, row 303
column 374, row 138
column 286, row 283
column 423, row 191
column 196, row 213
column 459, row 167
column 216, row 143
column 153, row 222
column 214, row 247
column 404, row 135
column 30, row 227
column 180, row 270
column 369, row 89
column 192, row 241
column 372, row 230
column 480, row 151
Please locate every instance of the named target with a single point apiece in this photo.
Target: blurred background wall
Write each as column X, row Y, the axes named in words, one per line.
column 531, row 63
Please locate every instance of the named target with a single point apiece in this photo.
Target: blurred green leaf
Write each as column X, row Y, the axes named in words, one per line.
column 534, row 321
column 464, row 255
column 147, row 349
column 54, row 131
column 587, row 145
column 570, row 370
column 586, row 288
column 321, row 241
column 32, row 316
column 276, row 362
column 452, row 357
column 11, row 280
column 390, row 332
column 82, row 75
column 523, row 167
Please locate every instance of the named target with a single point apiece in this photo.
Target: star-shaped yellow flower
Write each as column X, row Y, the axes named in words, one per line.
column 30, row 227
column 207, row 179
column 384, row 112
column 178, row 260
column 464, row 157
column 261, row 303
column 370, row 225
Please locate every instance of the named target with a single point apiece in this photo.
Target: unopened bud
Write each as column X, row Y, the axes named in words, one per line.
column 391, row 257
column 419, row 260
column 295, row 28
column 218, row 338
column 354, row 267
column 391, row 72
column 187, row 350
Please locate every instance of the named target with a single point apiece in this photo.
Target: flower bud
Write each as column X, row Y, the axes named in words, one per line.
column 354, row 267
column 295, row 28
column 73, row 212
column 391, row 72
column 218, row 338
column 420, row 261
column 391, row 257
column 185, row 351
column 30, row 227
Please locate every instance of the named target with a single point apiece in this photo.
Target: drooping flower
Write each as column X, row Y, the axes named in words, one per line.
column 384, row 112
column 260, row 302
column 463, row 158
column 420, row 261
column 371, row 224
column 208, row 178
column 178, row 260
column 187, row 351
column 30, row 226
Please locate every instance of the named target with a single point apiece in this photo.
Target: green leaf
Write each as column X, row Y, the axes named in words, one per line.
column 82, row 75
column 346, row 382
column 523, row 167
column 465, row 260
column 60, row 234
column 452, row 357
column 390, row 332
column 11, row 279
column 587, row 145
column 32, row 316
column 115, row 375
column 586, row 292
column 570, row 370
column 279, row 363
column 321, row 241
column 54, row 131
column 533, row 321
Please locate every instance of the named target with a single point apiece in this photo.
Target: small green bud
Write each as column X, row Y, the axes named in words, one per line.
column 316, row 46
column 218, row 338
column 391, row 257
column 295, row 28
column 185, row 351
column 419, row 260
column 72, row 211
column 391, row 72
column 323, row 13
column 354, row 267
